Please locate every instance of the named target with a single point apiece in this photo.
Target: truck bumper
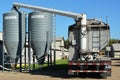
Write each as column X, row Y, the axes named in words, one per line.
column 104, row 67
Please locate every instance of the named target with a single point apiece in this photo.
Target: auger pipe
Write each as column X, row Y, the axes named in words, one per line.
column 49, row 10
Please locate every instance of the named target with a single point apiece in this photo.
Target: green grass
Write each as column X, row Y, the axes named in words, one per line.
column 63, row 61
column 60, row 64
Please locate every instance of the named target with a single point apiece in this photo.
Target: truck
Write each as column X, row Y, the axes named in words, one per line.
column 89, row 47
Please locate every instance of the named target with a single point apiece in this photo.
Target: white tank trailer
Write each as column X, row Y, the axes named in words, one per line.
column 87, row 38
column 14, row 33
column 40, row 29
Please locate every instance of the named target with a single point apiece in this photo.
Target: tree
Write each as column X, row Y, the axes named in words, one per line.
column 67, row 44
column 112, row 41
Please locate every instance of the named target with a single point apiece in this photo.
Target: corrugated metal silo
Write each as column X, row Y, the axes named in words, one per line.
column 40, row 25
column 13, row 29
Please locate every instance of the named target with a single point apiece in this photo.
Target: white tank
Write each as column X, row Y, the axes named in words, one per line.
column 83, row 38
column 84, row 19
column 14, row 33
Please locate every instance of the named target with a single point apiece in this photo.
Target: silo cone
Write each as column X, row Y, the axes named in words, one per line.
column 12, row 34
column 40, row 26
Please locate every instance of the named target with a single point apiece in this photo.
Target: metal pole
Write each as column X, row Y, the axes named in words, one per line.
column 54, row 57
column 20, row 60
column 29, row 49
column 54, row 37
column 20, row 41
column 3, row 53
column 47, row 38
column 33, row 61
column 100, row 38
column 25, row 40
column 50, row 57
column 25, row 50
column 108, row 33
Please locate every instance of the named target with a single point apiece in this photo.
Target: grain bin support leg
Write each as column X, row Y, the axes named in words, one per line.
column 25, row 51
column 20, row 42
column 48, row 57
column 34, row 62
column 3, row 54
column 54, row 39
column 29, row 50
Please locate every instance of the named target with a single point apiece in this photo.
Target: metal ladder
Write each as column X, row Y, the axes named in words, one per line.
column 96, row 40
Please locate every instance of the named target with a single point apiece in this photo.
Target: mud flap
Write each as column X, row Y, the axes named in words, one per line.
column 104, row 75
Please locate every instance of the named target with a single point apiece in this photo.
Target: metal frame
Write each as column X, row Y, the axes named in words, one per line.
column 29, row 49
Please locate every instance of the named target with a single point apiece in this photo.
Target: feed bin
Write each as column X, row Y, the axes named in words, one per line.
column 14, row 33
column 40, row 28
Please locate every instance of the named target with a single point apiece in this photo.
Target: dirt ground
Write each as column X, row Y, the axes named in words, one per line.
column 58, row 75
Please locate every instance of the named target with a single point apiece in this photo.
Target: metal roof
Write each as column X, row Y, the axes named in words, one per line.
column 116, row 47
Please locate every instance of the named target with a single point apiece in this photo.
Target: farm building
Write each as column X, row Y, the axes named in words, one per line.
column 61, row 52
column 115, row 50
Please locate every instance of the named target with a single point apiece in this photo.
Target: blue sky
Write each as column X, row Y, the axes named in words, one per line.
column 93, row 8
